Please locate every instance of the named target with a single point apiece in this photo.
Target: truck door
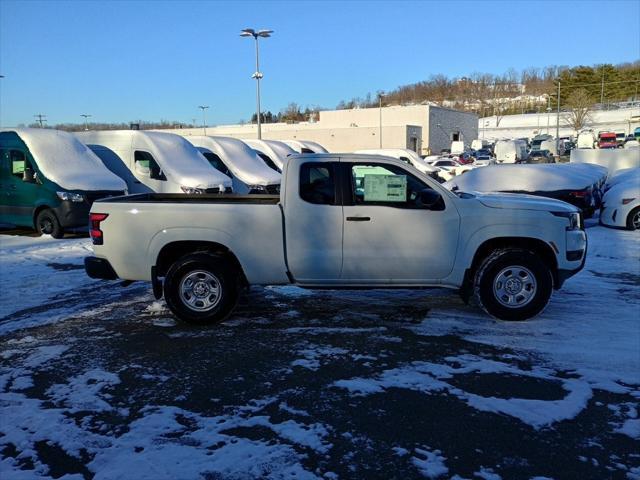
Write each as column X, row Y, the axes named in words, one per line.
column 313, row 224
column 390, row 235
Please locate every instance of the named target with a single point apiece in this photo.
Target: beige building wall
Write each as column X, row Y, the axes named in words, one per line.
column 425, row 128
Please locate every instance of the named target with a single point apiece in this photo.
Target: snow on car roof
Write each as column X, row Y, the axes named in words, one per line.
column 242, row 160
column 528, row 178
column 276, row 150
column 63, row 159
column 177, row 158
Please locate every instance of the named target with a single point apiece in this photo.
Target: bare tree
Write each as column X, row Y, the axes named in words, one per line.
column 580, row 103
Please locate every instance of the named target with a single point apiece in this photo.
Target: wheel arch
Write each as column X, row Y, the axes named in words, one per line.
column 536, row 245
column 172, row 251
column 36, row 212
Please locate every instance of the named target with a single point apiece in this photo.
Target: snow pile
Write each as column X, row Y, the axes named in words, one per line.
column 613, row 159
column 277, row 151
column 66, row 161
column 528, row 178
column 430, row 464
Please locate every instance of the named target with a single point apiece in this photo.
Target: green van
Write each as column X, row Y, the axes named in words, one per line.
column 49, row 179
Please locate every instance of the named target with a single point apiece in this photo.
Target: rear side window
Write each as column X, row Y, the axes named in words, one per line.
column 318, row 183
column 217, row 163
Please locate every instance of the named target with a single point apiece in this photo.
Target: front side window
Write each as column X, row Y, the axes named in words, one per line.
column 217, row 163
column 390, row 185
column 146, row 164
column 317, row 183
column 18, row 162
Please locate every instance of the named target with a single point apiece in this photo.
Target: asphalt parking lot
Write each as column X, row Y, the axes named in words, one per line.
column 328, row 384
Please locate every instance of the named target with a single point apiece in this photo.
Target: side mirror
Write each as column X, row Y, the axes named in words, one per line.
column 29, row 176
column 431, row 199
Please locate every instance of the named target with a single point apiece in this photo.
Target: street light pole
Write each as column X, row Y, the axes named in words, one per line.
column 1, row 77
column 380, row 95
column 250, row 32
column 86, row 124
column 204, row 117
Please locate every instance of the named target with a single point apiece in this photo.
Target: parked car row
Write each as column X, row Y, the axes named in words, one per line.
column 50, row 178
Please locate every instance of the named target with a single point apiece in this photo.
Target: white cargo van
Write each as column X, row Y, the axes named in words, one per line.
column 155, row 162
column 305, row 146
column 586, row 139
column 457, row 147
column 510, row 151
column 273, row 152
column 479, row 144
column 237, row 160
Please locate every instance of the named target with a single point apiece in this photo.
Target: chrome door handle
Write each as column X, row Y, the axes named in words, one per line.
column 358, row 219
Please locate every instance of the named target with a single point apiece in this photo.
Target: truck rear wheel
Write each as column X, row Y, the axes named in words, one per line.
column 48, row 224
column 201, row 288
column 513, row 284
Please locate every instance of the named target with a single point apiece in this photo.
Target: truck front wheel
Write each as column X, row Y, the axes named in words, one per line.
column 201, row 288
column 513, row 284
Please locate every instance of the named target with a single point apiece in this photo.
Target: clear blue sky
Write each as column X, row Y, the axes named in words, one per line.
column 126, row 60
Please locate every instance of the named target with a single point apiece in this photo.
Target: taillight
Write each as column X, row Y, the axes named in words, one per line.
column 94, row 227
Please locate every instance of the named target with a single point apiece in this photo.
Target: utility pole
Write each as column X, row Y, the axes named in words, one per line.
column 602, row 88
column 204, row 117
column 41, row 119
column 1, row 77
column 558, row 114
column 86, row 123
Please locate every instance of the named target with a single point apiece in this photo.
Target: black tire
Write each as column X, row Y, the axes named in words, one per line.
column 47, row 223
column 509, row 265
column 630, row 219
column 217, row 274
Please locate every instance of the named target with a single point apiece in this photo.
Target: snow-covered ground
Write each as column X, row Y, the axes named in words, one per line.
column 99, row 381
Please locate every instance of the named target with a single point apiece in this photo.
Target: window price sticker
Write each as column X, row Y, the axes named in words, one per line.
column 385, row 188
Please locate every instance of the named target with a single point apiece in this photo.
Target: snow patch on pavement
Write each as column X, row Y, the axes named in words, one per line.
column 429, row 377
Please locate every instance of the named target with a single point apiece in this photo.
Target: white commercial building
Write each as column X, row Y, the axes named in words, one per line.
column 422, row 128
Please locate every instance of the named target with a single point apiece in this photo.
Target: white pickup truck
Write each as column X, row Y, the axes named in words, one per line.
column 341, row 221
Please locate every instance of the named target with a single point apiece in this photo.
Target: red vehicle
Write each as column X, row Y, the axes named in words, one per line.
column 607, row 140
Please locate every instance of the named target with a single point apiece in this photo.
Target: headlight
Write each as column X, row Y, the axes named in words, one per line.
column 190, row 190
column 575, row 220
column 70, row 197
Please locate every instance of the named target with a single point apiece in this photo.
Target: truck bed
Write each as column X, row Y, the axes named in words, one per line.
column 194, row 198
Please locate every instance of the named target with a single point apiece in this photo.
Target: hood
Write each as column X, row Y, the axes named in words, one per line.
column 517, row 201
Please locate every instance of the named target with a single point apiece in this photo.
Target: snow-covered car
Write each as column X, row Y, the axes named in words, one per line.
column 342, row 220
column 624, row 175
column 621, row 205
column 577, row 184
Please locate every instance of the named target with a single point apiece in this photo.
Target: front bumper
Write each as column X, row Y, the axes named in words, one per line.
column 563, row 274
column 71, row 214
column 99, row 268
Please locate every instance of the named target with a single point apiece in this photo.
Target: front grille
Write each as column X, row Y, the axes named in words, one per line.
column 212, row 190
column 273, row 189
